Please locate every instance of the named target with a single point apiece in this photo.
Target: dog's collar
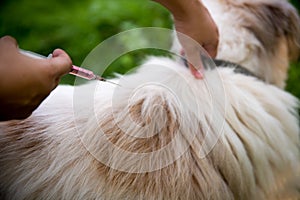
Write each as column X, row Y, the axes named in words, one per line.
column 224, row 63
column 237, row 68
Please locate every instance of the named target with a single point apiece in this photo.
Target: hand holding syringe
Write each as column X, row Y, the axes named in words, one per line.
column 76, row 71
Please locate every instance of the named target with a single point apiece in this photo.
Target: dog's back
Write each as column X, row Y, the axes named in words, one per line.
column 154, row 142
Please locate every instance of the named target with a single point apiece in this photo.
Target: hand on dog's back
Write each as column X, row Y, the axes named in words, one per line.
column 195, row 28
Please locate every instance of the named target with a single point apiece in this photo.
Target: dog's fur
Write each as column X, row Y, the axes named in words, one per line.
column 107, row 154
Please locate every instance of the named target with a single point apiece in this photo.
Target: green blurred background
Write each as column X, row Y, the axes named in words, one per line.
column 79, row 26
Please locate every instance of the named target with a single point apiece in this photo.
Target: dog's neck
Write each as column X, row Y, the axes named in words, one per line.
column 224, row 63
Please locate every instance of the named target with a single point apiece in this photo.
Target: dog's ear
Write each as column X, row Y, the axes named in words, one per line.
column 272, row 21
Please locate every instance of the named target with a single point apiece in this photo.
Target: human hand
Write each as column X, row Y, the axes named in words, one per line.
column 24, row 81
column 194, row 27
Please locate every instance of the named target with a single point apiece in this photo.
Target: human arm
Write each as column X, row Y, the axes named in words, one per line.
column 191, row 18
column 24, row 81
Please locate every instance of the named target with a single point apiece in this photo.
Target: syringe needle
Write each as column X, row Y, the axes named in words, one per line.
column 105, row 80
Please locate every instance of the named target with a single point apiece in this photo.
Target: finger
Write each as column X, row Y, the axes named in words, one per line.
column 198, row 74
column 195, row 64
column 59, row 52
column 61, row 62
column 211, row 49
column 9, row 40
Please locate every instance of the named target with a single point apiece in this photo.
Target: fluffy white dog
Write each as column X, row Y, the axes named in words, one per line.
column 164, row 134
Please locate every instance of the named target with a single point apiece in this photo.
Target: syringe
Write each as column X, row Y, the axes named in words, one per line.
column 76, row 71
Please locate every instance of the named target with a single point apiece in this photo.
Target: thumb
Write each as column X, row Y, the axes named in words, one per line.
column 9, row 41
column 61, row 62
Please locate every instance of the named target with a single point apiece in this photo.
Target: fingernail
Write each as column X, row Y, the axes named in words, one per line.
column 198, row 74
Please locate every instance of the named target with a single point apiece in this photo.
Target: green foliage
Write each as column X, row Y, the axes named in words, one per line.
column 293, row 85
column 296, row 3
column 79, row 26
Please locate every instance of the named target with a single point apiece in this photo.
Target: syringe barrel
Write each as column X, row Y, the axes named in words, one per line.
column 83, row 73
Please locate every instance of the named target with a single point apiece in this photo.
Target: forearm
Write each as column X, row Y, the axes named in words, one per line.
column 182, row 8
